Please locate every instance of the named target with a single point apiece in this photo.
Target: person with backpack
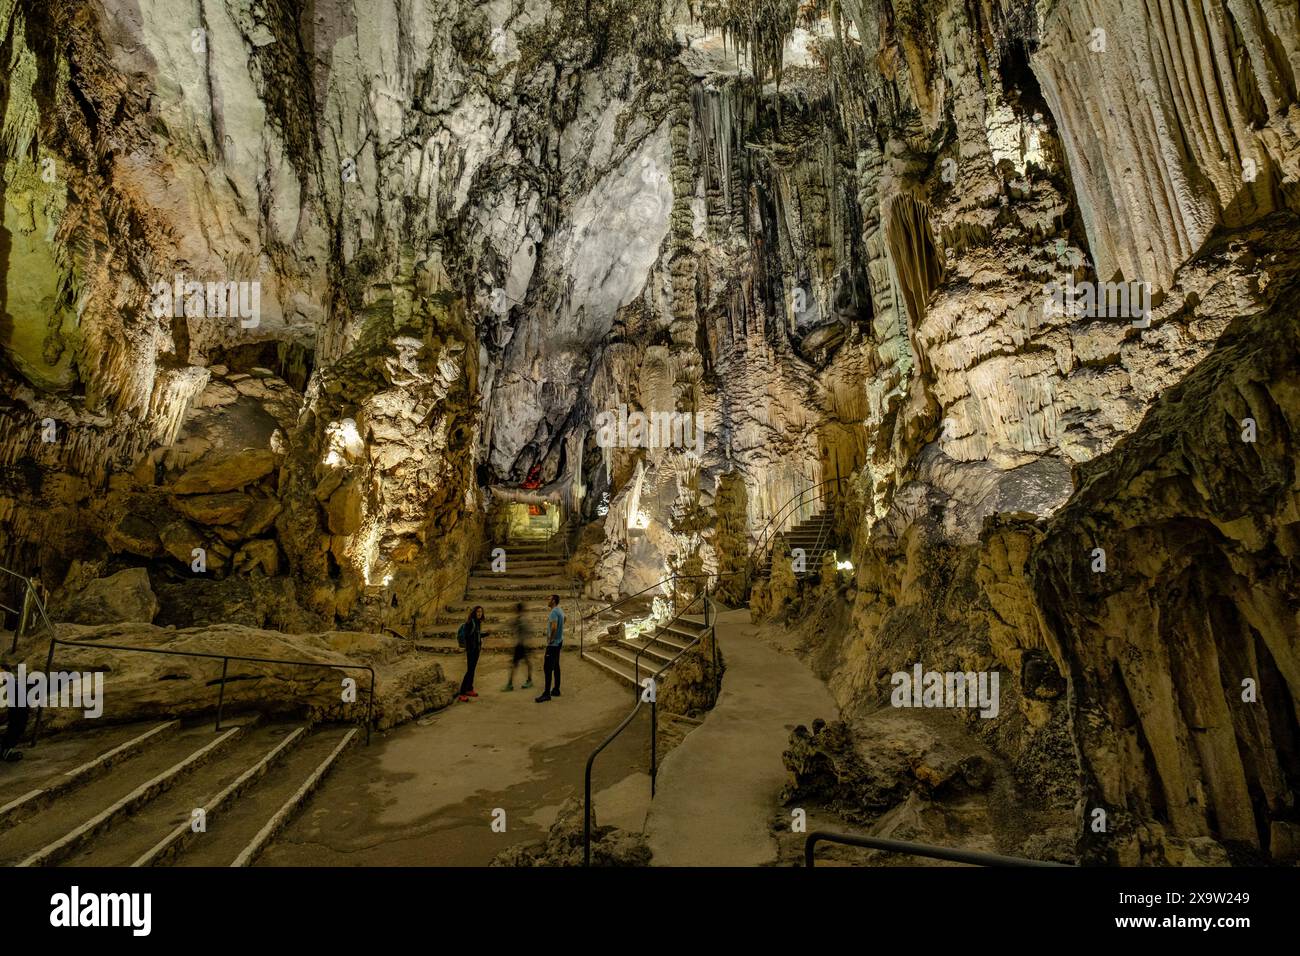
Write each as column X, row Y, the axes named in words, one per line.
column 470, row 637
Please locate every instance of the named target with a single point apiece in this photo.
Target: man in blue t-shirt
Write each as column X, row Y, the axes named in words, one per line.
column 554, row 643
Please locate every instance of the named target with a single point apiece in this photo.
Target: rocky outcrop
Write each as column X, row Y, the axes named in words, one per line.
column 563, row 845
column 147, row 686
column 125, row 597
column 1180, row 649
column 915, row 777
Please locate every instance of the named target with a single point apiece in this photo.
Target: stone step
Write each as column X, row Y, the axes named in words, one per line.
column 77, row 817
column 239, row 833
column 514, row 561
column 520, row 572
column 503, row 613
column 652, row 650
column 517, row 552
column 624, row 655
column 64, row 762
column 162, row 827
column 479, row 595
column 680, row 635
column 435, row 644
column 612, row 666
column 558, row 585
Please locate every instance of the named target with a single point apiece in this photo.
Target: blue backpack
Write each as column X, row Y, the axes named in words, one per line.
column 460, row 635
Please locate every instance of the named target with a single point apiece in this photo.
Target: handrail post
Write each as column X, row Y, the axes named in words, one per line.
column 654, row 743
column 221, row 696
column 24, row 616
column 49, row 669
column 586, row 814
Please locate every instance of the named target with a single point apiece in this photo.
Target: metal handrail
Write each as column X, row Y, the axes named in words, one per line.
column 225, row 662
column 584, row 618
column 654, row 763
column 974, row 857
column 636, row 661
column 672, row 577
column 765, row 540
column 30, row 599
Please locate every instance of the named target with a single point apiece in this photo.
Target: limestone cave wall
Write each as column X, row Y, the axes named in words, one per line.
column 434, row 240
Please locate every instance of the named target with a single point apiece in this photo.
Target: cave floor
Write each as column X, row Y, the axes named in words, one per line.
column 718, row 788
column 425, row 793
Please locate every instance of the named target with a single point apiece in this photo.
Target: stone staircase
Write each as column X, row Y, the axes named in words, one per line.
column 816, row 535
column 127, row 795
column 618, row 655
column 534, row 570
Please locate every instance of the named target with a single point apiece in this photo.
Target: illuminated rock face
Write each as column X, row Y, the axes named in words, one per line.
column 287, row 290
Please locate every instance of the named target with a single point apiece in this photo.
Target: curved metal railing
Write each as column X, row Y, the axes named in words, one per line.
column 646, row 693
column 767, row 536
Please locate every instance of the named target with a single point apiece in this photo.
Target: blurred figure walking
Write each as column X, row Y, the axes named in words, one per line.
column 521, row 650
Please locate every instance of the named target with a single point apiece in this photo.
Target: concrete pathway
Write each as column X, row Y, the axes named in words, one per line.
column 718, row 789
column 425, row 793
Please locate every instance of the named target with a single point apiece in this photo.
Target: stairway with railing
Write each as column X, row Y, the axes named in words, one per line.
column 621, row 654
column 661, row 645
column 807, row 521
column 127, row 793
column 646, row 692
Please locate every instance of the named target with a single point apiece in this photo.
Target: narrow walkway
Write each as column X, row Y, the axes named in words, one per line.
column 717, row 790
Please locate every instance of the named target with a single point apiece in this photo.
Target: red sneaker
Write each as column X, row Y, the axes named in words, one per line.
column 473, row 693
column 463, row 698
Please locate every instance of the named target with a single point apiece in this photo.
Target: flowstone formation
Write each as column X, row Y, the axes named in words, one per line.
column 296, row 297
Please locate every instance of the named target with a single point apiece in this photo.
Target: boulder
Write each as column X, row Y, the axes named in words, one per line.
column 563, row 845
column 344, row 508
column 180, row 538
column 122, row 597
column 144, row 686
column 134, row 535
column 260, row 552
column 261, row 515
column 216, row 473
column 228, row 507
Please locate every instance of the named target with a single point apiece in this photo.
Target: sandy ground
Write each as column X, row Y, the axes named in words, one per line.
column 425, row 793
